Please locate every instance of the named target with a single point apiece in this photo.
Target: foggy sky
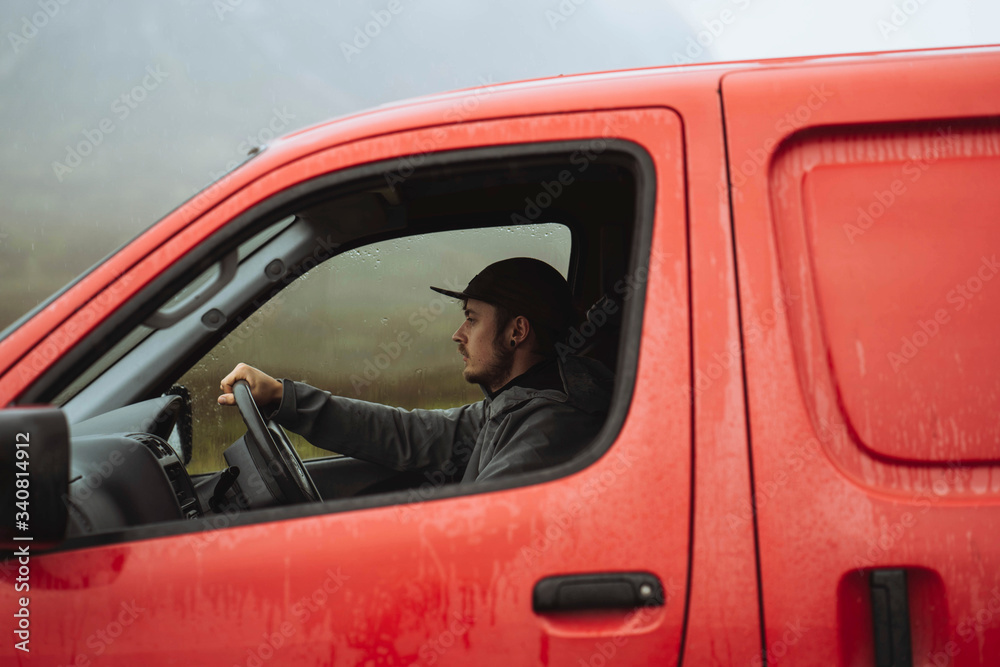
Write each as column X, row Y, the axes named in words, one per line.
column 166, row 94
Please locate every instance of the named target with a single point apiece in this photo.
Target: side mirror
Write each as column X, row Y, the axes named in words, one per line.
column 34, row 477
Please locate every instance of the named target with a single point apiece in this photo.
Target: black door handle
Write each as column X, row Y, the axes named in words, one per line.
column 608, row 590
column 891, row 618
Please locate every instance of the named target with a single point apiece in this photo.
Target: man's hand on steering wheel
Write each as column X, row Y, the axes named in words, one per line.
column 270, row 451
column 266, row 391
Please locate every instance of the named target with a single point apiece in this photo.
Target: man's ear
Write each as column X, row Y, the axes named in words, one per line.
column 520, row 329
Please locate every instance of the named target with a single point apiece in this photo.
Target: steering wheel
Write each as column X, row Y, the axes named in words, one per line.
column 279, row 465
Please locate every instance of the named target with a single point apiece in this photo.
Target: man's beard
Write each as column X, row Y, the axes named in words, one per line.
column 496, row 372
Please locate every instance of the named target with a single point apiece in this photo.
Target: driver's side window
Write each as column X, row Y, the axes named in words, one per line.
column 365, row 325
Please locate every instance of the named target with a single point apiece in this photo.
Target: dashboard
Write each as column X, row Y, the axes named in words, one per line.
column 124, row 472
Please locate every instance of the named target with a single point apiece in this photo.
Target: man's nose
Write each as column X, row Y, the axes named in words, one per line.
column 458, row 336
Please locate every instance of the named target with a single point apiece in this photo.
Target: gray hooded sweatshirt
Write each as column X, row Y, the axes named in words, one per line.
column 519, row 430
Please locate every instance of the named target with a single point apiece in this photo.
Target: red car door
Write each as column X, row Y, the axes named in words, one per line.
column 866, row 224
column 448, row 581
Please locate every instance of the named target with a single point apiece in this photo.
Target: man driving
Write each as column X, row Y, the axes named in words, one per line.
column 540, row 408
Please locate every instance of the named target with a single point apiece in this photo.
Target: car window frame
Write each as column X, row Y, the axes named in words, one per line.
column 624, row 152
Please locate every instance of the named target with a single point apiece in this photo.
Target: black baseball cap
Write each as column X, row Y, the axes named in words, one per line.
column 524, row 286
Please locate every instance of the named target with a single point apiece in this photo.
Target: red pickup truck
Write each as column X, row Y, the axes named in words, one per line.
column 792, row 270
